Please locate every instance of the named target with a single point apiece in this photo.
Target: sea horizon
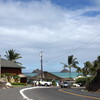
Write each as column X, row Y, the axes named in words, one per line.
column 60, row 74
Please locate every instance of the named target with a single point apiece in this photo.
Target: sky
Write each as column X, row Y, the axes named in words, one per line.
column 59, row 28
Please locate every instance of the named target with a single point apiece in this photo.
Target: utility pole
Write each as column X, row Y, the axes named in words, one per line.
column 0, row 66
column 41, row 55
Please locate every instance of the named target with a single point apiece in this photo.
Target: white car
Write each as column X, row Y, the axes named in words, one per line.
column 76, row 85
column 45, row 83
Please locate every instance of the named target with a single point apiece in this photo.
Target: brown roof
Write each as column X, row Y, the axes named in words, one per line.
column 7, row 63
column 47, row 75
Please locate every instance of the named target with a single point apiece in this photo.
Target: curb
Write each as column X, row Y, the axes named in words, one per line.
column 25, row 89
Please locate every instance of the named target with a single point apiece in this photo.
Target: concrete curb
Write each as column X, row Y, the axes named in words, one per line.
column 25, row 89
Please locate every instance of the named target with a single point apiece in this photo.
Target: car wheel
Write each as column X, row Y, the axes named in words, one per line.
column 46, row 84
column 61, row 87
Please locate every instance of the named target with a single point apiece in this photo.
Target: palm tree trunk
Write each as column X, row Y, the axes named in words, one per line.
column 69, row 72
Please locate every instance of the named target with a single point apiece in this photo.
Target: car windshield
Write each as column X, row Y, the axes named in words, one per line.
column 65, row 82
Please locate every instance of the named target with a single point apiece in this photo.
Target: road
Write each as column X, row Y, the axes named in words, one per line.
column 48, row 94
column 61, row 94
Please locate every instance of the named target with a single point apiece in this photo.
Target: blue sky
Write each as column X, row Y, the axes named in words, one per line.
column 58, row 27
column 73, row 4
column 91, row 13
column 68, row 4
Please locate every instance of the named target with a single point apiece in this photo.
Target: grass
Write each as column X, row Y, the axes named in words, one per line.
column 19, row 84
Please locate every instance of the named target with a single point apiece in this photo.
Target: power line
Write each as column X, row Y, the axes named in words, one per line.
column 77, row 48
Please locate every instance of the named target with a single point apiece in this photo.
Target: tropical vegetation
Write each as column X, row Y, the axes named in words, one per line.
column 72, row 63
column 12, row 56
column 90, row 72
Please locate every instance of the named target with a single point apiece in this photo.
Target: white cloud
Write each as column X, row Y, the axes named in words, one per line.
column 35, row 26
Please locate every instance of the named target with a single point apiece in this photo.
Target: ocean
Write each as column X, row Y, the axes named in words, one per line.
column 63, row 75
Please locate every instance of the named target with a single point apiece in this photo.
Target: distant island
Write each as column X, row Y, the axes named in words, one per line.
column 36, row 71
column 39, row 71
column 64, row 71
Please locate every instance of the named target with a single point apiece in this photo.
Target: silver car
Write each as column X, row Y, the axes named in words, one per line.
column 65, row 84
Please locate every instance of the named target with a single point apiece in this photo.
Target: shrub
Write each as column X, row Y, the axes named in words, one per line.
column 53, row 83
column 82, row 81
column 18, row 83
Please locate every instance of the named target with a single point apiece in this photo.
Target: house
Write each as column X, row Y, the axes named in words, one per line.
column 46, row 75
column 13, row 68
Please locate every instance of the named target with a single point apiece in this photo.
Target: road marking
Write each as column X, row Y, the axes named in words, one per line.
column 24, row 96
column 79, row 94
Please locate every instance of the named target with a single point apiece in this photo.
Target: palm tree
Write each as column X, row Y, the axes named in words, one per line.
column 79, row 70
column 96, row 64
column 12, row 55
column 87, row 70
column 71, row 63
column 64, row 65
column 88, row 67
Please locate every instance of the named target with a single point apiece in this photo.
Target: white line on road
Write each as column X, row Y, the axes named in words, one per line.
column 24, row 96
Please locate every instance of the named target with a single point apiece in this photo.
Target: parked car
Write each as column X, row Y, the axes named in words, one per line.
column 45, row 83
column 65, row 84
column 76, row 85
column 42, row 83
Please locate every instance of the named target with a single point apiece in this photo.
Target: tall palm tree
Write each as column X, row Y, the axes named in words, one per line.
column 96, row 64
column 12, row 55
column 87, row 70
column 64, row 65
column 71, row 63
column 79, row 70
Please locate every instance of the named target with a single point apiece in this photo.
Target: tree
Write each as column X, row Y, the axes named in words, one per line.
column 72, row 63
column 79, row 70
column 64, row 65
column 87, row 70
column 96, row 64
column 12, row 55
column 94, row 84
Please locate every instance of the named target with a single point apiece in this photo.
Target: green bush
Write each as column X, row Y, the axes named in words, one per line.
column 18, row 83
column 53, row 83
column 82, row 81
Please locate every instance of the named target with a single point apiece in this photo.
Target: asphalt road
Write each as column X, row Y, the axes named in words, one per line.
column 48, row 94
column 11, row 94
column 61, row 94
